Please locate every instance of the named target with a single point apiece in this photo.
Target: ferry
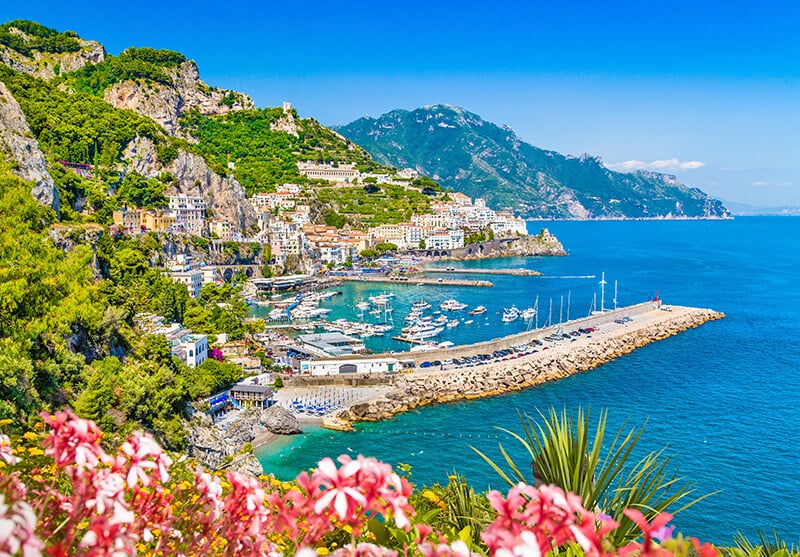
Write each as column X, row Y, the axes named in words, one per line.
column 478, row 310
column 452, row 305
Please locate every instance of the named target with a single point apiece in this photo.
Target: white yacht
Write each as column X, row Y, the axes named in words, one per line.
column 452, row 305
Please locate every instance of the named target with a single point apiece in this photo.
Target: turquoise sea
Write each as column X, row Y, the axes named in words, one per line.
column 722, row 397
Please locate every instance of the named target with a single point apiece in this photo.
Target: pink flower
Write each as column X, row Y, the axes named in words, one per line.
column 145, row 455
column 339, row 487
column 456, row 549
column 5, row 450
column 531, row 521
column 359, row 487
column 646, row 548
column 17, row 525
column 73, row 440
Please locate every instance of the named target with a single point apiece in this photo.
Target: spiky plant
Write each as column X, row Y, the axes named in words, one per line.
column 769, row 547
column 600, row 470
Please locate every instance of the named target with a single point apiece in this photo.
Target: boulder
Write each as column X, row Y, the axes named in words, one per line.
column 278, row 419
column 245, row 429
column 245, row 463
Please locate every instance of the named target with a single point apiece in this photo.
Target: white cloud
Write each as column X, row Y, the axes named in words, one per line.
column 668, row 165
column 762, row 184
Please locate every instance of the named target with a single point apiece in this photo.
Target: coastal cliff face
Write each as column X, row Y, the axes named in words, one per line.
column 47, row 65
column 224, row 196
column 422, row 389
column 164, row 104
column 218, row 449
column 18, row 146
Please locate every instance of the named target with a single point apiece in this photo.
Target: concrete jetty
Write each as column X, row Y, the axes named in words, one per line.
column 560, row 359
column 404, row 279
column 512, row 272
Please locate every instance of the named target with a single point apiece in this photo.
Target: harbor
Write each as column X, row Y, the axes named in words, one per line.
column 505, row 364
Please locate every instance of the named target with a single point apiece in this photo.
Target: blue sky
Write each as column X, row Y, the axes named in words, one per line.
column 709, row 91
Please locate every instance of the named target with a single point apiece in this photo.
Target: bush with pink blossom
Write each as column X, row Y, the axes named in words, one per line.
column 62, row 493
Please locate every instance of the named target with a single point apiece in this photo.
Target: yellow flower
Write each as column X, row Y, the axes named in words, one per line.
column 35, row 451
column 5, row 422
column 30, row 436
column 322, row 551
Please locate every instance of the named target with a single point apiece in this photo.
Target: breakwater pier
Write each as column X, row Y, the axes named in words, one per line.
column 549, row 361
column 512, row 272
column 406, row 279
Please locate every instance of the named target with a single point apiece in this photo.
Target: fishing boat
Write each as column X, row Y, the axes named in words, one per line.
column 452, row 324
column 510, row 314
column 452, row 305
column 478, row 310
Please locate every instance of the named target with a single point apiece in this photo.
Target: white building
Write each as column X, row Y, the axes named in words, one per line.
column 445, row 239
column 350, row 367
column 339, row 174
column 190, row 212
column 192, row 349
column 192, row 279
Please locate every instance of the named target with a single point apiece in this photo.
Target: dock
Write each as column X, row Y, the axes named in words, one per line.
column 421, row 281
column 512, row 272
column 410, row 340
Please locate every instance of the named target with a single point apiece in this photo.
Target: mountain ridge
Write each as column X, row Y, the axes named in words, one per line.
column 488, row 160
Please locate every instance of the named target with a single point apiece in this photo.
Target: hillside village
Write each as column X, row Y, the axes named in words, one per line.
column 285, row 224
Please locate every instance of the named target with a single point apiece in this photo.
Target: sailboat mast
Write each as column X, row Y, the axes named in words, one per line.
column 569, row 301
column 536, row 310
column 615, row 294
column 603, row 293
column 561, row 310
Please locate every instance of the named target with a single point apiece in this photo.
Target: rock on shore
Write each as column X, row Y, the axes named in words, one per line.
column 421, row 389
column 278, row 419
column 217, row 448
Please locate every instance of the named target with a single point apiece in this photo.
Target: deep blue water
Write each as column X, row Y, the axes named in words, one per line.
column 722, row 397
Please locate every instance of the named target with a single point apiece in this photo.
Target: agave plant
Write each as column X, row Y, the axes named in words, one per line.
column 600, row 470
column 774, row 547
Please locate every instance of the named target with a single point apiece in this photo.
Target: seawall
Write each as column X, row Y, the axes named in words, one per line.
column 562, row 359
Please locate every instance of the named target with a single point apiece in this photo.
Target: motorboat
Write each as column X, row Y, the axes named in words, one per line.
column 510, row 314
column 478, row 310
column 452, row 305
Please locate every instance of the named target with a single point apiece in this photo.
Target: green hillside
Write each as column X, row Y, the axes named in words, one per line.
column 264, row 157
column 479, row 158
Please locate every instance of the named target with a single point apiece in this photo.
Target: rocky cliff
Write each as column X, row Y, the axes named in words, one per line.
column 165, row 103
column 46, row 65
column 19, row 147
column 224, row 196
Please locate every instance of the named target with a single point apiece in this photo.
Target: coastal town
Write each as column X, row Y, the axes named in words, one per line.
column 285, row 222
